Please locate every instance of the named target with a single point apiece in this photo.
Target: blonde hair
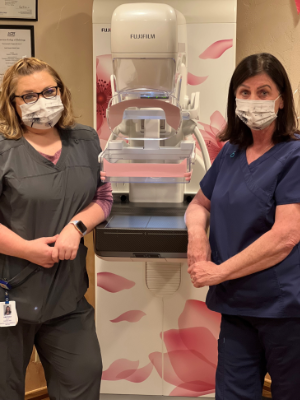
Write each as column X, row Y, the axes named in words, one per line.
column 11, row 125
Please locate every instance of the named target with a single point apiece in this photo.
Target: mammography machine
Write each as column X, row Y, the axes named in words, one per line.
column 157, row 336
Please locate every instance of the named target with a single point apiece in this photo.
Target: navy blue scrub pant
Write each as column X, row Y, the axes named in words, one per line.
column 248, row 348
column 68, row 349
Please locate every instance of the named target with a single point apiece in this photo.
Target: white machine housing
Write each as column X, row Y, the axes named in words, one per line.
column 148, row 43
column 148, row 47
column 144, row 304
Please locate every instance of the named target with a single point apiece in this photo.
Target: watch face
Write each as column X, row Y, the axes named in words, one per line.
column 80, row 225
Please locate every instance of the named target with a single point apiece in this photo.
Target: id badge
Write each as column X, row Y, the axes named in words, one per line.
column 8, row 314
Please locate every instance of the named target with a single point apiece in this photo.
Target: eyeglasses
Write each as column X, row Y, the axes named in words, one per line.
column 30, row 98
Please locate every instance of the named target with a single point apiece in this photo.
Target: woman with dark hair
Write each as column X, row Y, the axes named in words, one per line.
column 7, row 310
column 251, row 197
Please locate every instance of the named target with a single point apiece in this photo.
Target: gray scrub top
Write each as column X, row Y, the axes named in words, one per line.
column 38, row 199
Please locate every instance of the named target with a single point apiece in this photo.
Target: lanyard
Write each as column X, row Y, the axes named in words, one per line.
column 6, row 298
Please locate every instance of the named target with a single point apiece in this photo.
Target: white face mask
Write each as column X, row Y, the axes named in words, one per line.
column 257, row 114
column 43, row 114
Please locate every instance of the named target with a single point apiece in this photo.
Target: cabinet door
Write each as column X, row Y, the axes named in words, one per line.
column 267, row 387
column 35, row 384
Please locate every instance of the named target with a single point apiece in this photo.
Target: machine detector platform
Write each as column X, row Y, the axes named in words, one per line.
column 132, row 232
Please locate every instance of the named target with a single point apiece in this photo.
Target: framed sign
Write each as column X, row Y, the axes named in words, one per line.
column 16, row 41
column 26, row 10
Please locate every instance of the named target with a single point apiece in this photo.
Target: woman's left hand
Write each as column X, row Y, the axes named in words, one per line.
column 66, row 246
column 103, row 176
column 205, row 273
column 188, row 176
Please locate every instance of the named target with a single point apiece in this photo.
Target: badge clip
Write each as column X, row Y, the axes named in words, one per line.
column 4, row 284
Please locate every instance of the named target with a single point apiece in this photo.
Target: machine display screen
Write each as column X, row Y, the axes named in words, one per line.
column 146, row 222
column 155, row 97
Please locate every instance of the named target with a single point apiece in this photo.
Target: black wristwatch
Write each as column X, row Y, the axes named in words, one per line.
column 80, row 227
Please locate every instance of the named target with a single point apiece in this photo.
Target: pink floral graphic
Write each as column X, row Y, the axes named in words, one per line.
column 196, row 314
column 191, row 358
column 113, row 283
column 216, row 49
column 130, row 316
column 210, row 134
column 126, row 369
column 195, row 80
column 103, row 73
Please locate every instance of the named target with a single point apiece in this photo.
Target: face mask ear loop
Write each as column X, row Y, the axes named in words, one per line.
column 298, row 105
column 275, row 102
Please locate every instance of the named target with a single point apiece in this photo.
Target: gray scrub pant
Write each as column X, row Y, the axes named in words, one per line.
column 69, row 351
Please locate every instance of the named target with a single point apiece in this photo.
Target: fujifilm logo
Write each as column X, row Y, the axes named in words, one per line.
column 143, row 36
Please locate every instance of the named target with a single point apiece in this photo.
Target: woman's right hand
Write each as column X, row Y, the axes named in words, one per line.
column 39, row 252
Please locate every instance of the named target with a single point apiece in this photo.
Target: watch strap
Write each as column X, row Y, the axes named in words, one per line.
column 75, row 224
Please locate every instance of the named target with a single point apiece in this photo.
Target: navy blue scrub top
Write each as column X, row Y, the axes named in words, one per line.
column 243, row 204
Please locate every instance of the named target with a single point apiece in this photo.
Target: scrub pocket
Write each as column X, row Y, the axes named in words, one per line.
column 29, row 296
column 49, row 292
column 255, row 291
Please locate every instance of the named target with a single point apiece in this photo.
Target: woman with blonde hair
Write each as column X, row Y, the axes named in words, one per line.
column 51, row 195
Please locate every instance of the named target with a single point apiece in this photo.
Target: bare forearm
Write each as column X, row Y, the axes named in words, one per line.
column 197, row 221
column 265, row 252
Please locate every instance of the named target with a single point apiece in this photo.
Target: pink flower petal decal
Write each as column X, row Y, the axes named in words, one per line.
column 210, row 134
column 140, row 375
column 193, row 389
column 169, row 373
column 128, row 370
column 191, row 358
column 195, row 80
column 216, row 49
column 217, row 121
column 103, row 73
column 113, row 283
column 191, row 339
column 182, row 367
column 190, row 366
column 118, row 367
column 173, row 340
column 196, row 314
column 130, row 316
column 156, row 360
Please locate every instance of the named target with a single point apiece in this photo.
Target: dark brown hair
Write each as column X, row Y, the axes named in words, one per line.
column 286, row 123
